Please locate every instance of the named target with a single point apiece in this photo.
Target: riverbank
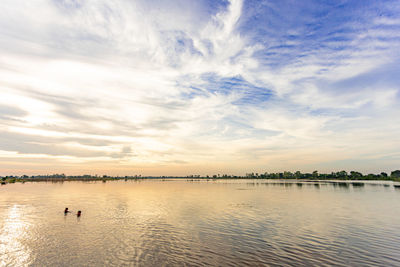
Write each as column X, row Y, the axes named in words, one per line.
column 13, row 179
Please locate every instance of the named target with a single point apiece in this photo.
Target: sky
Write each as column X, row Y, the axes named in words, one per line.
column 179, row 87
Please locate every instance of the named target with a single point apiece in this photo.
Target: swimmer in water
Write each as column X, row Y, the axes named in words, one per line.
column 66, row 211
column 79, row 213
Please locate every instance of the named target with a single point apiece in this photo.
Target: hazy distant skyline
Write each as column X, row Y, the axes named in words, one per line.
column 183, row 87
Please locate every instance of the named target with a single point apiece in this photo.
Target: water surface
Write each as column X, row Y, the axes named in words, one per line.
column 180, row 222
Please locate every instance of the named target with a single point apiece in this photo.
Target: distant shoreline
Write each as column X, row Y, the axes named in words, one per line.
column 87, row 178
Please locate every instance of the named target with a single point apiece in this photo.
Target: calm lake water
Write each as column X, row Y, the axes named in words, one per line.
column 213, row 223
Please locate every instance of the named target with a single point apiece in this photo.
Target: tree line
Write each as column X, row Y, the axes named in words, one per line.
column 315, row 175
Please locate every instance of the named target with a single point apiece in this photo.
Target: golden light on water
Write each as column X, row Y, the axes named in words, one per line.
column 14, row 230
column 175, row 222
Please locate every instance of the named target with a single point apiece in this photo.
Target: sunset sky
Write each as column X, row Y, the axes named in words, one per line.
column 179, row 87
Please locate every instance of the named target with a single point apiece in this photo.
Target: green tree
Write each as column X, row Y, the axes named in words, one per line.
column 356, row 175
column 341, row 175
column 395, row 174
column 287, row 175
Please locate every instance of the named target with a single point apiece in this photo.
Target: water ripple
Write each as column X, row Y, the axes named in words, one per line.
column 214, row 223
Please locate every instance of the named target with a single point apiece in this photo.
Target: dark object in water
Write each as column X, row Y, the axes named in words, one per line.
column 66, row 211
column 357, row 184
column 79, row 213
